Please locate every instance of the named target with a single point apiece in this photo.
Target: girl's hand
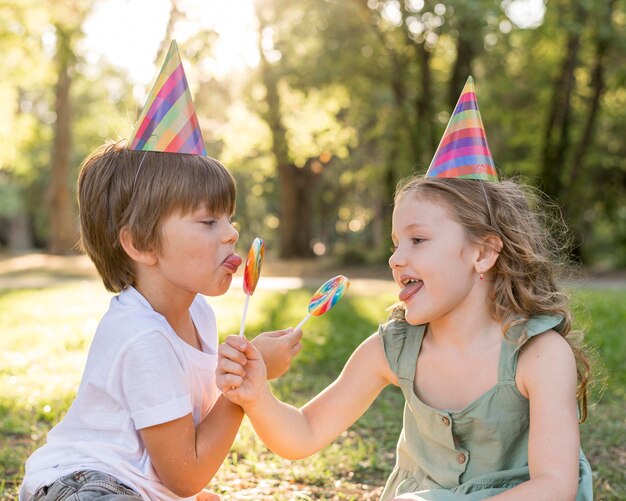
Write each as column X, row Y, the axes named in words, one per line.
column 240, row 372
column 278, row 349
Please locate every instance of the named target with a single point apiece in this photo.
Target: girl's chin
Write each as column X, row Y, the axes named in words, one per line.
column 416, row 318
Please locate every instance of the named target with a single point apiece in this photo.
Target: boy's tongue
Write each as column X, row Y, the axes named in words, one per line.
column 233, row 261
column 409, row 290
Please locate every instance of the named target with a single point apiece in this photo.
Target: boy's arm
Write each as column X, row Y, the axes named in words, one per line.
column 185, row 457
column 297, row 433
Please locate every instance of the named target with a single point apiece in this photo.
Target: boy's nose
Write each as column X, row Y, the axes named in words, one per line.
column 232, row 235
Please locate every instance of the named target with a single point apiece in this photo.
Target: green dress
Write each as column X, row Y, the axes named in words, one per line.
column 469, row 454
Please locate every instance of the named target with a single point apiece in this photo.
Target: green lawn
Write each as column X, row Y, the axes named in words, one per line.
column 44, row 335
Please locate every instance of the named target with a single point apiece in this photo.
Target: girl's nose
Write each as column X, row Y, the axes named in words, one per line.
column 396, row 260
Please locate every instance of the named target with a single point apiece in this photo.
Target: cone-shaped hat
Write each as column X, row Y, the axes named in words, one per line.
column 463, row 151
column 168, row 121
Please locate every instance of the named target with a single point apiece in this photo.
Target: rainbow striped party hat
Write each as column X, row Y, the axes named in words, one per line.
column 463, row 151
column 168, row 121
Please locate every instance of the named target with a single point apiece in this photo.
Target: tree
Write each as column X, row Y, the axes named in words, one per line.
column 63, row 234
column 299, row 165
column 67, row 17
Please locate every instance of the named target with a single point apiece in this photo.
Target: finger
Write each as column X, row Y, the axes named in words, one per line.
column 295, row 336
column 279, row 333
column 236, row 342
column 229, row 367
column 250, row 351
column 227, row 351
column 295, row 349
column 228, row 382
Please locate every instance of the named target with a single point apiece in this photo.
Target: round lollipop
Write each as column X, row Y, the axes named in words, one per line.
column 326, row 297
column 251, row 275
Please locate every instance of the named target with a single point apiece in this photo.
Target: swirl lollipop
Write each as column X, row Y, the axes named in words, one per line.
column 251, row 275
column 326, row 297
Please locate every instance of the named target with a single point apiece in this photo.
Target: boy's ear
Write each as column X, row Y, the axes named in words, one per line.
column 489, row 252
column 139, row 256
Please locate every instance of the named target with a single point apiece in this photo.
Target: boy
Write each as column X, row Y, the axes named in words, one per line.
column 148, row 421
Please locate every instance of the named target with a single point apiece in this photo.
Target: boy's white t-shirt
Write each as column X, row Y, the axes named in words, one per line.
column 139, row 373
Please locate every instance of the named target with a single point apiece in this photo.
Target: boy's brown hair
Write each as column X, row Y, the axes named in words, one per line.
column 119, row 188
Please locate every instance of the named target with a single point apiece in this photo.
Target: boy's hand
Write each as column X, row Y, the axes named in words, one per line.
column 240, row 372
column 278, row 349
column 206, row 495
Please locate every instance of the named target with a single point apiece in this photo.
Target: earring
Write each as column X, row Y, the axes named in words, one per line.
column 482, row 275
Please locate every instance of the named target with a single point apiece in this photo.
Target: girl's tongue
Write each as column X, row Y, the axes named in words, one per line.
column 409, row 290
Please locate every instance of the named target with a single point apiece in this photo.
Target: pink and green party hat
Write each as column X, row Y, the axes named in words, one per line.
column 463, row 151
column 168, row 121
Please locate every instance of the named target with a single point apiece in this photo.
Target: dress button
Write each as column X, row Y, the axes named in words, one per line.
column 461, row 458
column 445, row 421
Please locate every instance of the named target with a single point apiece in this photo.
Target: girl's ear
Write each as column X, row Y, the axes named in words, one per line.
column 489, row 252
column 144, row 257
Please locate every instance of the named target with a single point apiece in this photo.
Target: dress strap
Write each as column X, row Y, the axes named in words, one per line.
column 517, row 336
column 408, row 357
column 401, row 343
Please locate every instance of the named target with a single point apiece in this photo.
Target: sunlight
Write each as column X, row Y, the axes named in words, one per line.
column 525, row 13
column 128, row 35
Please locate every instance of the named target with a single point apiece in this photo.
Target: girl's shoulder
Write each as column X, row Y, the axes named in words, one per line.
column 393, row 332
column 400, row 341
column 520, row 331
column 545, row 355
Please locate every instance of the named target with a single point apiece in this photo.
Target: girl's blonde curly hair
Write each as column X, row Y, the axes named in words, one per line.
column 524, row 277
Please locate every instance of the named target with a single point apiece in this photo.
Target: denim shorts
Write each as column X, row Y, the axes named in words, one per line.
column 86, row 486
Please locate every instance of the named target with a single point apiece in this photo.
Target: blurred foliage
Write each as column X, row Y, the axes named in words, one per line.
column 365, row 89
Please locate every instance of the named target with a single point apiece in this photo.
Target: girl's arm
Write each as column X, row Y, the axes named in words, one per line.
column 546, row 374
column 298, row 433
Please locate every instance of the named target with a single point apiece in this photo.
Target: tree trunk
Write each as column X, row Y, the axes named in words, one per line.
column 295, row 183
column 469, row 33
column 556, row 135
column 424, row 110
column 572, row 206
column 63, row 231
column 598, row 87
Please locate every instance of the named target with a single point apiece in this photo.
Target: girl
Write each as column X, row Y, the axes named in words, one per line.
column 480, row 347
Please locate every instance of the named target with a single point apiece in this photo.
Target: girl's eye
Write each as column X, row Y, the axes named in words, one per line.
column 416, row 240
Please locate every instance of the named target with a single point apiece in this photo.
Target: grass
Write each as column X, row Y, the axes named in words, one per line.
column 45, row 333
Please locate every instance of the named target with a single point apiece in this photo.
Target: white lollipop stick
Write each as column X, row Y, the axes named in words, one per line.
column 302, row 322
column 243, row 318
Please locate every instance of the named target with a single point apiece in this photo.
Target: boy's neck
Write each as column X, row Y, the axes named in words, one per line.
column 173, row 305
